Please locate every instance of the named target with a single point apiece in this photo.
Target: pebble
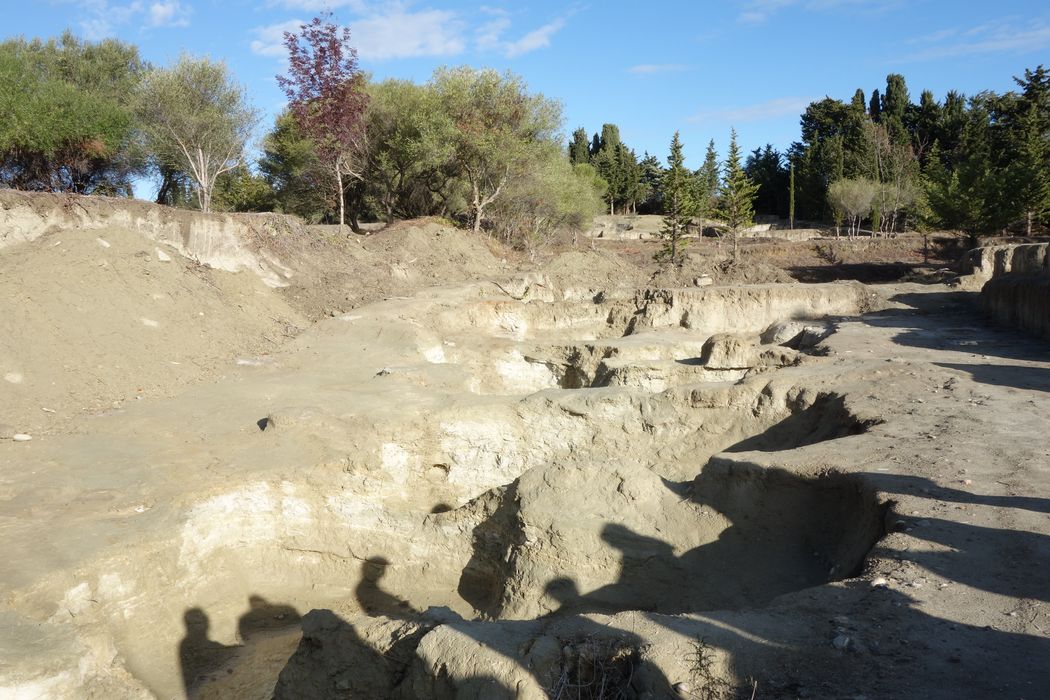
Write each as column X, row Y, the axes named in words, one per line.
column 840, row 642
column 21, row 437
column 880, row 582
column 383, row 372
column 683, row 688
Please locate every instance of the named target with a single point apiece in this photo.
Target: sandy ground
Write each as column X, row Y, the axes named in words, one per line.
column 381, row 437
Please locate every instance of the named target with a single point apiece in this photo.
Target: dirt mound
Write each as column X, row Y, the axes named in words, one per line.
column 591, row 270
column 337, row 271
column 92, row 319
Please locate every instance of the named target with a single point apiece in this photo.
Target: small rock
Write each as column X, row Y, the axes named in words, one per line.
column 682, row 688
column 880, row 582
column 703, row 281
column 21, row 437
column 102, row 242
column 162, row 256
column 841, row 642
column 383, row 372
column 966, row 482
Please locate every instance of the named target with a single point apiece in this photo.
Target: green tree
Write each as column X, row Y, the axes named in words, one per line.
column 1029, row 171
column 679, row 206
column 765, row 167
column 552, row 196
column 706, row 181
column 241, row 190
column 410, row 168
column 579, row 147
column 197, row 119
column 500, row 129
column 737, row 196
column 301, row 184
column 853, row 197
column 652, row 174
column 68, row 123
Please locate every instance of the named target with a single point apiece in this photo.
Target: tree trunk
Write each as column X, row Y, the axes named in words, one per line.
column 342, row 198
column 1028, row 223
column 476, row 206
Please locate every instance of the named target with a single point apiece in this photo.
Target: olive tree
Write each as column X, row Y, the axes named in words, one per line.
column 853, row 197
column 552, row 196
column 196, row 119
column 499, row 129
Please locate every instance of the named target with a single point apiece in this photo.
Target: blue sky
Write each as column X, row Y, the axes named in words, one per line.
column 699, row 67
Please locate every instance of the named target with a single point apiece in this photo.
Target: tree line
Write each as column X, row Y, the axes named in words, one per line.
column 472, row 145
column 478, row 146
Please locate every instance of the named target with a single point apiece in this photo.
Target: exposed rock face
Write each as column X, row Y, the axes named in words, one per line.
column 1017, row 292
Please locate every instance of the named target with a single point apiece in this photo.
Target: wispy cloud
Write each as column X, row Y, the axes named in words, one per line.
column 490, row 35
column 1004, row 36
column 383, row 32
column 397, row 33
column 758, row 11
column 269, row 40
column 169, row 14
column 657, row 68
column 762, row 111
column 317, row 5
column 99, row 19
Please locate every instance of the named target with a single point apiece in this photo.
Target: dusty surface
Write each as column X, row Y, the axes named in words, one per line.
column 546, row 484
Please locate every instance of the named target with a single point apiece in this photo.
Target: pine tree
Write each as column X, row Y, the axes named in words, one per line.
column 1029, row 177
column 679, row 205
column 579, row 147
column 706, row 194
column 738, row 192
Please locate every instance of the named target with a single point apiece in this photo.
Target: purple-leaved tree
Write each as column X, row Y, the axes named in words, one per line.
column 325, row 90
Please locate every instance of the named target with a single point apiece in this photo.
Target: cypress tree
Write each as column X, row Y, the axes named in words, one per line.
column 579, row 147
column 875, row 106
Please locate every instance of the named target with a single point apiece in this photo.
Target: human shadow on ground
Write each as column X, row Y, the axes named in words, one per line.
column 953, row 321
column 200, row 657
column 1014, row 563
column 1015, row 376
column 906, row 484
column 371, row 596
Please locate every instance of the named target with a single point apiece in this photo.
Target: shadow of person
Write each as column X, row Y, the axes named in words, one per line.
column 199, row 655
column 373, row 599
column 263, row 615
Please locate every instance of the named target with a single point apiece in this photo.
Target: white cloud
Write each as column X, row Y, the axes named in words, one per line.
column 770, row 109
column 490, row 35
column 269, row 40
column 169, row 14
column 536, row 39
column 315, row 5
column 656, row 68
column 999, row 37
column 383, row 32
column 100, row 19
column 758, row 11
column 397, row 33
